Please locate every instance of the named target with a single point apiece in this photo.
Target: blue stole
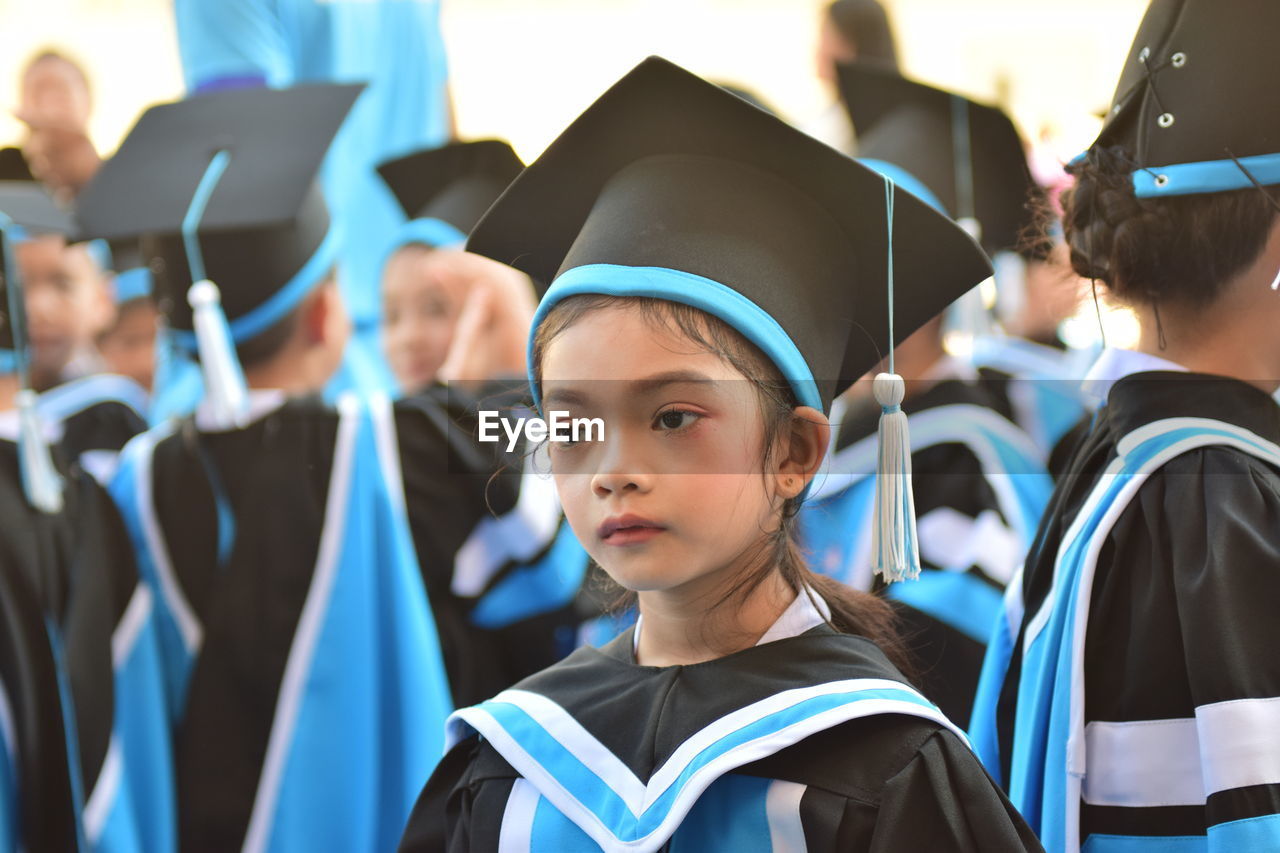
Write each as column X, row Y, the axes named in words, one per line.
column 1048, row 761
column 1046, row 388
column 576, row 795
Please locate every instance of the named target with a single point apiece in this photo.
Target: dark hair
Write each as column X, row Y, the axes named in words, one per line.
column 1179, row 250
column 852, row 612
column 864, row 26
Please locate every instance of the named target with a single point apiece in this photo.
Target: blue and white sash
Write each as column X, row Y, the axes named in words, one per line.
column 575, row 792
column 1048, row 765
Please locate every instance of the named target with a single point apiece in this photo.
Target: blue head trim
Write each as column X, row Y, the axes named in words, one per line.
column 133, row 284
column 432, row 233
column 906, row 181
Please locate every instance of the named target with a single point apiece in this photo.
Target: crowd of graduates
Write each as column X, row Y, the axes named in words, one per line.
column 865, row 557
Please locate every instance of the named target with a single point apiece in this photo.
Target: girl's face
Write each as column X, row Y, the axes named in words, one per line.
column 674, row 496
column 422, row 298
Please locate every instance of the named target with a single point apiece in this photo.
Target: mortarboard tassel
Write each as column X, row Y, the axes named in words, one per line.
column 226, row 396
column 894, row 552
column 40, row 480
column 225, row 392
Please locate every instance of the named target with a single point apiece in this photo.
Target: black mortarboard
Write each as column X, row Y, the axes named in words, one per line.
column 13, row 165
column 670, row 187
column 242, row 165
column 26, row 209
column 980, row 174
column 1195, row 102
column 450, row 187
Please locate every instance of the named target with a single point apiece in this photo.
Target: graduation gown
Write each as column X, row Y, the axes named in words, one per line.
column 980, row 488
column 811, row 742
column 93, row 418
column 82, row 716
column 1130, row 700
column 308, row 669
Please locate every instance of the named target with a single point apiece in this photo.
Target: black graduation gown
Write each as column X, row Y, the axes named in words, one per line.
column 947, row 477
column 1181, row 624
column 885, row 781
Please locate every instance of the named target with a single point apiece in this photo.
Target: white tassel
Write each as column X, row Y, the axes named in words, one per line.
column 894, row 552
column 40, row 480
column 226, row 397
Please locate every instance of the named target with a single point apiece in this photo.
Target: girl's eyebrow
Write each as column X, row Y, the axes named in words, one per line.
column 672, row 377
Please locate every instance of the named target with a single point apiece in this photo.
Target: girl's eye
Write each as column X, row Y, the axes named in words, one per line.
column 674, row 419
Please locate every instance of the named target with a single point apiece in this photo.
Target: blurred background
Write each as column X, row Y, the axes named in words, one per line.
column 523, row 69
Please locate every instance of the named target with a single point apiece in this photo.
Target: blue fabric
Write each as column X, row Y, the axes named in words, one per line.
column 544, row 585
column 435, row 233
column 8, row 361
column 8, row 793
column 962, row 600
column 59, row 403
column 144, row 816
column 364, row 369
column 1038, row 784
column 71, row 735
column 133, row 284
column 375, row 683
column 983, row 730
column 395, row 45
column 555, row 833
column 687, row 289
column 1206, row 176
column 907, row 181
column 597, row 797
column 1054, row 393
column 1148, row 844
column 1255, row 833
column 178, row 386
column 730, row 815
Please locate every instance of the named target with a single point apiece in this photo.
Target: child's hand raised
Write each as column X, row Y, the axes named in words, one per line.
column 493, row 327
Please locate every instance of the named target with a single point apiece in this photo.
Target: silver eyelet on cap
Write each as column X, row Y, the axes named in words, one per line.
column 1178, row 60
column 1165, row 120
column 1144, row 54
column 1162, row 181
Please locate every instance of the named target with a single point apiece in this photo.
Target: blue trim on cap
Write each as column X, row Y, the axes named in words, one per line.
column 132, row 284
column 685, row 288
column 17, row 234
column 432, row 233
column 1207, row 176
column 284, row 300
column 100, row 251
column 907, row 181
column 8, row 361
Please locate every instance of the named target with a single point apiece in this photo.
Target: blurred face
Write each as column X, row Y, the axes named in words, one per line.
column 67, row 300
column 129, row 347
column 54, row 90
column 673, row 498
column 423, row 292
column 832, row 50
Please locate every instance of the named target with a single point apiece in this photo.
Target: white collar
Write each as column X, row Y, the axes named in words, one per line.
column 1115, row 364
column 261, row 402
column 800, row 616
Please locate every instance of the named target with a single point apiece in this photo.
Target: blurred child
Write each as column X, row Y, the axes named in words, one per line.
column 128, row 345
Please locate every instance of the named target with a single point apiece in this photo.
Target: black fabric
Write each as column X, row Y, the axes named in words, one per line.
column 108, row 425
column 266, row 215
column 1225, row 48
column 913, row 126
column 1183, row 601
column 13, row 165
column 668, row 170
column 454, row 183
column 881, row 783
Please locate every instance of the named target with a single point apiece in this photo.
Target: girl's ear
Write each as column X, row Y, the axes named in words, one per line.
column 804, row 447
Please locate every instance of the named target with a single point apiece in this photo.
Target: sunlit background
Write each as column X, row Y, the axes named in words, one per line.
column 522, row 69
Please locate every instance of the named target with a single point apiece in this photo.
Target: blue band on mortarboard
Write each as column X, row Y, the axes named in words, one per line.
column 100, row 251
column 904, row 180
column 752, row 321
column 8, row 361
column 1207, row 176
column 133, row 284
column 434, row 233
column 284, row 300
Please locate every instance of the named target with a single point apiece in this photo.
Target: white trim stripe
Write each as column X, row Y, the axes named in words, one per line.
column 1240, row 743
column 1145, row 764
column 188, row 625
column 97, row 809
column 8, row 733
column 782, row 807
column 132, row 621
column 387, row 444
column 516, row 834
column 307, row 635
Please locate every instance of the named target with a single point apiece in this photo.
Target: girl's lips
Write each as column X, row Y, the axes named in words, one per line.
column 628, row 530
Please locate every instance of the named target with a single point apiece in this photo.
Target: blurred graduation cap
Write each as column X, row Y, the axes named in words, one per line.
column 968, row 155
column 1194, row 105
column 670, row 187
column 26, row 211
column 13, row 165
column 221, row 190
column 444, row 191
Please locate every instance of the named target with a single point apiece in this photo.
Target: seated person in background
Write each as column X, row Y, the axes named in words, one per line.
column 431, row 288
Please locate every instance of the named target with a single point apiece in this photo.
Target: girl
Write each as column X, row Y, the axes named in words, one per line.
column 708, row 264
column 1132, row 702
